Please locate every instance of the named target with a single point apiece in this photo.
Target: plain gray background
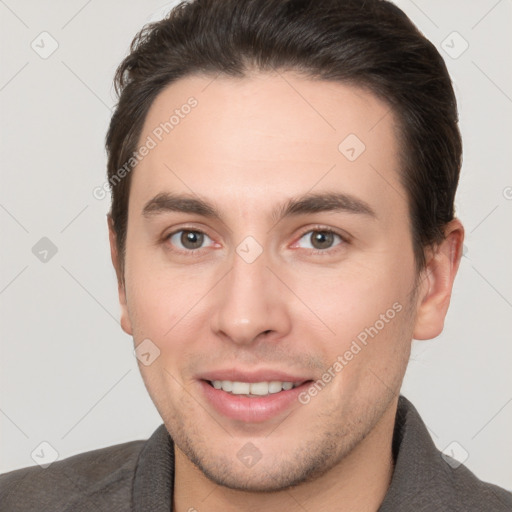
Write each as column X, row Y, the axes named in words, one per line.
column 68, row 374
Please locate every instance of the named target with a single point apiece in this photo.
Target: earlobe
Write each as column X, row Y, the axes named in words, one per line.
column 114, row 254
column 436, row 288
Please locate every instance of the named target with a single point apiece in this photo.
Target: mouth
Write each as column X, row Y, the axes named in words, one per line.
column 254, row 389
column 252, row 398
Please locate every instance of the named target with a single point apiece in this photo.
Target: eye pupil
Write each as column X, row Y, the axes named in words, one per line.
column 322, row 239
column 192, row 239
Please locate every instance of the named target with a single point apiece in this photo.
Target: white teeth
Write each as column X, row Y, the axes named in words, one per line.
column 253, row 388
column 227, row 385
column 275, row 386
column 239, row 388
column 259, row 388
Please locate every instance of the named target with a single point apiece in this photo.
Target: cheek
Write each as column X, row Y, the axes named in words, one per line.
column 367, row 311
column 164, row 302
column 349, row 301
column 156, row 306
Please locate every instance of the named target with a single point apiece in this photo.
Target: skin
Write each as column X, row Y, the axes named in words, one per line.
column 250, row 145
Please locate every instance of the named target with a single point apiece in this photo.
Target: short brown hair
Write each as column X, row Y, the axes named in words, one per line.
column 368, row 43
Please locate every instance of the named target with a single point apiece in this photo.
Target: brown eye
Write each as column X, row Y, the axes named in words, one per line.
column 322, row 239
column 319, row 240
column 189, row 240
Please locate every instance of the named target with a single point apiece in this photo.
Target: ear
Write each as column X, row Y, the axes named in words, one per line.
column 114, row 253
column 437, row 283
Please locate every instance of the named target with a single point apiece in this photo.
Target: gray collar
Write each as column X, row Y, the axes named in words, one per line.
column 153, row 482
column 422, row 480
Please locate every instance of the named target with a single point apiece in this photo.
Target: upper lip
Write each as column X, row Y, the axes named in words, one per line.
column 263, row 375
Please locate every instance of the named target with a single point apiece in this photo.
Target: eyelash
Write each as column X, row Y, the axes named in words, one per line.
column 322, row 229
column 186, row 252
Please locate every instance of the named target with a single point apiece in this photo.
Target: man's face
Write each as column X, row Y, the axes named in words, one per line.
column 270, row 283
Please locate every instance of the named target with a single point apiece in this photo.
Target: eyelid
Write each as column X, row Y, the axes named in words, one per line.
column 344, row 237
column 167, row 236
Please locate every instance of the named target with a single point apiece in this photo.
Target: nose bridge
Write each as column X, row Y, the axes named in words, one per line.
column 249, row 303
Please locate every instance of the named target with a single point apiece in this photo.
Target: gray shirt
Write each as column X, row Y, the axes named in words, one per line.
column 139, row 476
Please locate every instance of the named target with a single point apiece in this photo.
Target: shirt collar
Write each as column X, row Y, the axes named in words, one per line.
column 153, row 482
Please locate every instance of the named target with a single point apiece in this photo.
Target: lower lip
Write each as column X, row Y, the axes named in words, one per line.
column 255, row 409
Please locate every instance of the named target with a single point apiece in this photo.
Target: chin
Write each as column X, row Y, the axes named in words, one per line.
column 278, row 477
column 273, row 472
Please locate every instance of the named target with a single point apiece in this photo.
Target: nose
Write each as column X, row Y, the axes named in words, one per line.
column 251, row 304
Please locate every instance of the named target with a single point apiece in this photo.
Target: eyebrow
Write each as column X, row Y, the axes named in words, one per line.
column 323, row 202
column 308, row 203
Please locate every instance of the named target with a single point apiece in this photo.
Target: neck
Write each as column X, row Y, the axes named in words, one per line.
column 358, row 482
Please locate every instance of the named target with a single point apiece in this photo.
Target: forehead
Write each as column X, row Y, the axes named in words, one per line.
column 265, row 137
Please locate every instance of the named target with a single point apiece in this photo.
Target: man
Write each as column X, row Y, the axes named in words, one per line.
column 282, row 226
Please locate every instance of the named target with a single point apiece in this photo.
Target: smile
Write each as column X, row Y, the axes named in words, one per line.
column 256, row 401
column 253, row 389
